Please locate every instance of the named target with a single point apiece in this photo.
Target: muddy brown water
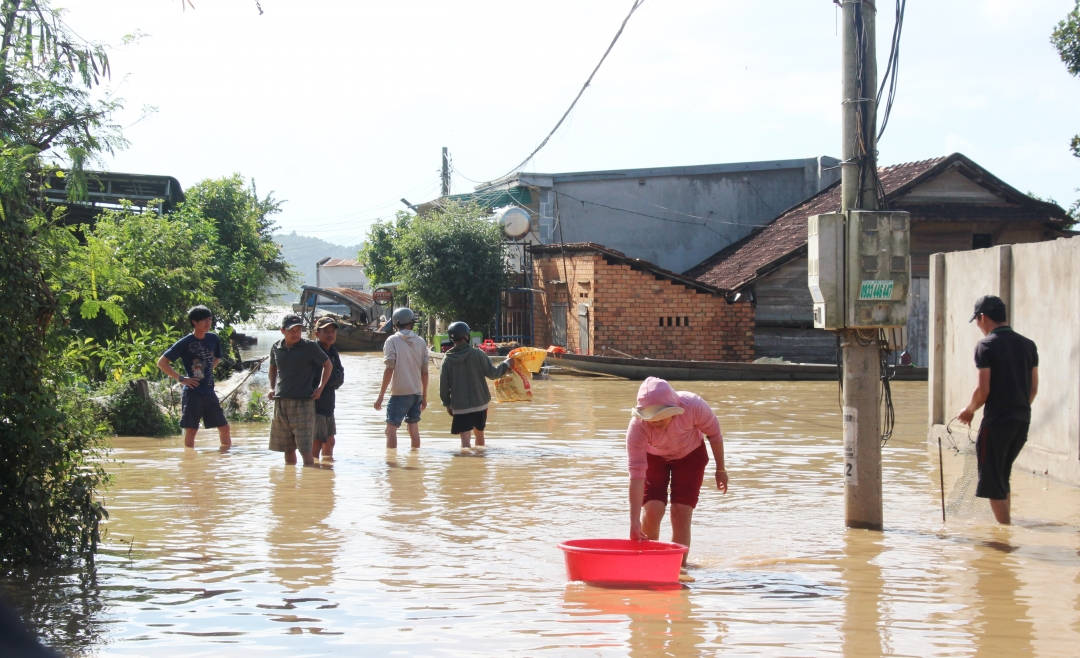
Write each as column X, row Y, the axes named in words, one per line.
column 445, row 552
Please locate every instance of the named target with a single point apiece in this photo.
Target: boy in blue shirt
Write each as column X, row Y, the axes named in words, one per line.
column 200, row 352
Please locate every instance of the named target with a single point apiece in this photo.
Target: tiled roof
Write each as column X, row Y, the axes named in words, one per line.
column 784, row 238
column 635, row 263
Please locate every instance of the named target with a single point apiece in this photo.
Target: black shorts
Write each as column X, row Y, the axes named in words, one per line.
column 997, row 446
column 196, row 407
column 476, row 420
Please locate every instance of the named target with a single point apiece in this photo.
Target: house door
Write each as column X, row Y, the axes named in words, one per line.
column 583, row 327
column 558, row 325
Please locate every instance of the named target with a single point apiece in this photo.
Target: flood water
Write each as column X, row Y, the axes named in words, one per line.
column 447, row 552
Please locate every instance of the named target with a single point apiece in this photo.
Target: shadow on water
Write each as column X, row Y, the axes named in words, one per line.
column 63, row 607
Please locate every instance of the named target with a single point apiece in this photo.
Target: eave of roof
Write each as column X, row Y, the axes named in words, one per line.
column 784, row 238
column 634, row 263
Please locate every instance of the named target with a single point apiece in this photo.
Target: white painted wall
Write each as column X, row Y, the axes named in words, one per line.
column 1040, row 283
column 342, row 276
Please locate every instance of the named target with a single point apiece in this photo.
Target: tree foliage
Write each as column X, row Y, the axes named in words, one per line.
column 49, row 443
column 451, row 261
column 248, row 263
column 1066, row 40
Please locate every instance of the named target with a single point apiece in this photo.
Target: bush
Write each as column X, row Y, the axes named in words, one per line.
column 132, row 411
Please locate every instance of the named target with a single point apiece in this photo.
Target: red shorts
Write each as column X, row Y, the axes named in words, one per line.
column 685, row 475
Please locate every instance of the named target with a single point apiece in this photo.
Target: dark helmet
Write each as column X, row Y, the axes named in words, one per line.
column 458, row 331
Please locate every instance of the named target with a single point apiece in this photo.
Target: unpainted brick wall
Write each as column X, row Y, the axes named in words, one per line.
column 630, row 310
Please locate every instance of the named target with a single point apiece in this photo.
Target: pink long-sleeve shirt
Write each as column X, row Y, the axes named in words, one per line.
column 679, row 439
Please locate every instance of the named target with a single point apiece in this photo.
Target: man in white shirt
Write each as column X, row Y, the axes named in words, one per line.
column 406, row 357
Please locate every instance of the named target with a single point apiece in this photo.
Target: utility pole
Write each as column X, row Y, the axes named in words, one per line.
column 445, row 172
column 860, row 347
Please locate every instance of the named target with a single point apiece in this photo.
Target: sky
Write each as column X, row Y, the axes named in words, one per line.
column 341, row 108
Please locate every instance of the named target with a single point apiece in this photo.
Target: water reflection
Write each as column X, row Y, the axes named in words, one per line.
column 64, row 607
column 863, row 583
column 301, row 544
column 661, row 622
column 1000, row 622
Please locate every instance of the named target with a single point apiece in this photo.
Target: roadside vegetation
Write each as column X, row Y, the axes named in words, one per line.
column 1066, row 40
column 450, row 262
column 88, row 309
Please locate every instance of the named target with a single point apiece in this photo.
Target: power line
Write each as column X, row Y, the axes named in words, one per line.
column 892, row 69
column 636, row 5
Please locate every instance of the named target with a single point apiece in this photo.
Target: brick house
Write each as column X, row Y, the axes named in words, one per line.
column 597, row 300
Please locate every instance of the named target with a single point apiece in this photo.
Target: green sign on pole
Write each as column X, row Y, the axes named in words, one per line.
column 876, row 290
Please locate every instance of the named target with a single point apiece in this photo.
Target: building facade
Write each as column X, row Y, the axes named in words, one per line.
column 674, row 217
column 955, row 205
column 597, row 300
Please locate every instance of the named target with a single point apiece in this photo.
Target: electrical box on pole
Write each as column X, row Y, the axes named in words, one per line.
column 825, row 269
column 859, row 269
column 878, row 268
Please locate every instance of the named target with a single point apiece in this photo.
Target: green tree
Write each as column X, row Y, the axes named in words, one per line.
column 248, row 263
column 49, row 444
column 451, row 261
column 1066, row 39
column 379, row 252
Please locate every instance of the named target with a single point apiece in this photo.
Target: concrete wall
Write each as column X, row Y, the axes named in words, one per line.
column 674, row 217
column 342, row 276
column 629, row 310
column 1040, row 283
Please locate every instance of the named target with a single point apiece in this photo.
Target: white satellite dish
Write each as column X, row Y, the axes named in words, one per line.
column 515, row 222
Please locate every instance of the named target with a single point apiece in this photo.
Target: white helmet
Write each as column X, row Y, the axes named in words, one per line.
column 403, row 316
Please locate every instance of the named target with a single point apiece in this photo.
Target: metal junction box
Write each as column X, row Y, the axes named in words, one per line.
column 878, row 268
column 825, row 269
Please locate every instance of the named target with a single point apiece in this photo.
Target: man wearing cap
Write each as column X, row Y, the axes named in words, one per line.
column 325, row 425
column 294, row 363
column 665, row 443
column 1008, row 366
column 405, row 356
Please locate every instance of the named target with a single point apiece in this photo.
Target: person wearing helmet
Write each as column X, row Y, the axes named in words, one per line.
column 406, row 374
column 462, row 388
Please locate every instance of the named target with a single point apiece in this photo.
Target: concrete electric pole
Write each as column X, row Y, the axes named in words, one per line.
column 860, row 349
column 445, row 172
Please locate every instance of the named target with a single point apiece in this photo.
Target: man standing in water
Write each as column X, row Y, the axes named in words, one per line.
column 325, row 425
column 200, row 352
column 1008, row 366
column 406, row 358
column 462, row 387
column 664, row 444
column 294, row 361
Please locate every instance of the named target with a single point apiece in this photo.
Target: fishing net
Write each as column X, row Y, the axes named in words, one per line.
column 962, row 502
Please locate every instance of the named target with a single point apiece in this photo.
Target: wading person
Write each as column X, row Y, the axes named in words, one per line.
column 665, row 444
column 405, row 356
column 294, row 388
column 463, row 388
column 1008, row 366
column 325, row 425
column 200, row 352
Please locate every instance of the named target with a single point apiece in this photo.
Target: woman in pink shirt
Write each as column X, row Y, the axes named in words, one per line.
column 665, row 443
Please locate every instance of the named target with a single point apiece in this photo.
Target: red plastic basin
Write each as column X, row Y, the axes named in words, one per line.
column 622, row 560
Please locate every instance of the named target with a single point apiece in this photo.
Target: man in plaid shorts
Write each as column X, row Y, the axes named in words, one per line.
column 294, row 360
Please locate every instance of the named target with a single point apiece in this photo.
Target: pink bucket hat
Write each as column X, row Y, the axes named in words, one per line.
column 656, row 400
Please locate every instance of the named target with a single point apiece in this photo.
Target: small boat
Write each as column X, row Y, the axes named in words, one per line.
column 358, row 331
column 673, row 370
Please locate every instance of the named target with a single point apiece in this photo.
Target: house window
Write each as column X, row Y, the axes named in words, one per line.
column 982, row 240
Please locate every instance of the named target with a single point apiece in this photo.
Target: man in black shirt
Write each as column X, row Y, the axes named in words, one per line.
column 1008, row 367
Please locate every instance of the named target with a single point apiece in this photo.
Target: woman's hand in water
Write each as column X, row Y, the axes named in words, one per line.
column 635, row 532
column 721, row 480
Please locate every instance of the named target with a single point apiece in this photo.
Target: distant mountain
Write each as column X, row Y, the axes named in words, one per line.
column 303, row 252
